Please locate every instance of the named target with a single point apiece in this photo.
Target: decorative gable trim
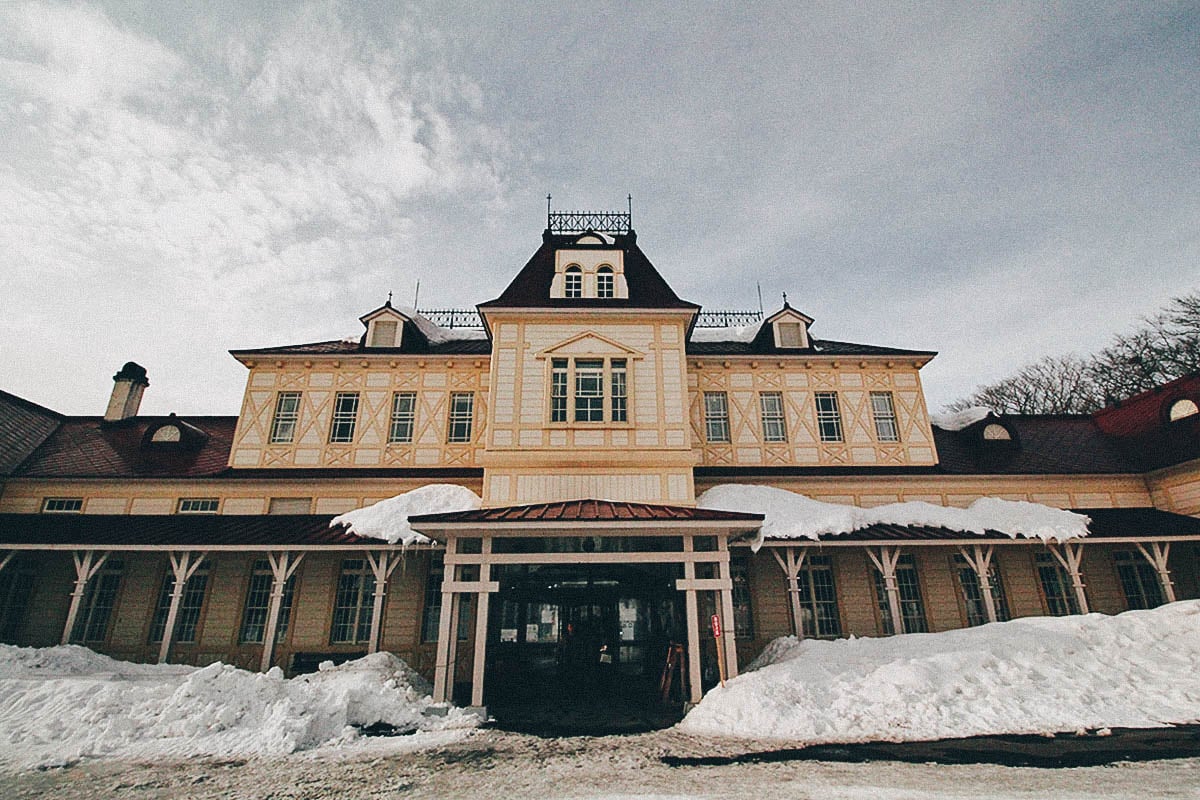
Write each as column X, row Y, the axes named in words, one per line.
column 590, row 343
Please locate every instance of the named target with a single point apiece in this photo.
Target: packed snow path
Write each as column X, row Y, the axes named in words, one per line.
column 1139, row 669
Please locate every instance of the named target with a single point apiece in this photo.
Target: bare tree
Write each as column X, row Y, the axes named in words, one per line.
column 1053, row 385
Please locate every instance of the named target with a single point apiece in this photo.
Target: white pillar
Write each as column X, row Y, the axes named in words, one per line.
column 695, row 688
column 481, row 624
column 980, row 560
column 791, row 563
column 728, row 625
column 183, row 565
column 1157, row 555
column 7, row 557
column 87, row 564
column 283, row 566
column 382, row 565
column 441, row 664
column 886, row 562
column 1071, row 556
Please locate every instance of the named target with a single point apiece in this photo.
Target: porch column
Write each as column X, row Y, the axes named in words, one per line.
column 283, row 566
column 695, row 690
column 183, row 565
column 87, row 564
column 442, row 664
column 791, row 562
column 7, row 557
column 1157, row 556
column 1070, row 556
column 481, row 626
column 885, row 561
column 980, row 559
column 728, row 625
column 383, row 564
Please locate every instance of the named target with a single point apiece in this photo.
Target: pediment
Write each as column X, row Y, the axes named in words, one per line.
column 590, row 343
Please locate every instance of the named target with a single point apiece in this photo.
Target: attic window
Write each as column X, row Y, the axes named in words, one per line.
column 995, row 432
column 167, row 433
column 791, row 334
column 383, row 333
column 605, row 287
column 1182, row 409
column 573, row 282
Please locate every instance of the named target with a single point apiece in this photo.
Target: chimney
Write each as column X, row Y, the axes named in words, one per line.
column 128, row 385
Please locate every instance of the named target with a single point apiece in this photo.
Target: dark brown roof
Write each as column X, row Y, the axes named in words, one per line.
column 88, row 447
column 1042, row 445
column 1144, row 432
column 411, row 345
column 765, row 345
column 181, row 530
column 23, row 427
column 531, row 287
column 587, row 511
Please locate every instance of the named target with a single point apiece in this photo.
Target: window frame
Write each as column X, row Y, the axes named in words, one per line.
column 1063, row 598
column 914, row 616
column 777, row 417
column 573, row 282
column 357, row 618
column 285, row 420
column 197, row 501
column 717, row 417
column 18, row 580
column 971, row 592
column 401, row 418
column 885, row 417
column 75, row 503
column 457, row 418
column 1140, row 585
column 615, row 409
column 822, row 615
column 343, row 424
column 605, row 271
column 190, row 616
column 105, row 585
column 260, row 569
column 829, row 417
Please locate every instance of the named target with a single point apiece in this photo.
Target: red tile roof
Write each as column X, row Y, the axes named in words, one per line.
column 23, row 427
column 588, row 511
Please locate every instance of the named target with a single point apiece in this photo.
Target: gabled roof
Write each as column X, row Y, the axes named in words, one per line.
column 24, row 425
column 588, row 511
column 531, row 287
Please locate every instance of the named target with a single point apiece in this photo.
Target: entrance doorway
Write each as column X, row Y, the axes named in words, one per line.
column 580, row 648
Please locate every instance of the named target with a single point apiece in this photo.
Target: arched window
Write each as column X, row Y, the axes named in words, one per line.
column 995, row 432
column 1182, row 408
column 167, row 433
column 573, row 282
column 605, row 287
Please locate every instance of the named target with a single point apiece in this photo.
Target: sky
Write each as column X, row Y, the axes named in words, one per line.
column 993, row 181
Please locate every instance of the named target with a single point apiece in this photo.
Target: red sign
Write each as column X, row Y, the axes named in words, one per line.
column 716, row 625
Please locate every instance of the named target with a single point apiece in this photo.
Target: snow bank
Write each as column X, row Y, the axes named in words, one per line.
column 1035, row 675
column 957, row 420
column 795, row 516
column 388, row 519
column 738, row 333
column 60, row 704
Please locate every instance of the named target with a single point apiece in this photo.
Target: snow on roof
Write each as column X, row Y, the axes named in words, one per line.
column 790, row 515
column 388, row 519
column 738, row 333
column 957, row 420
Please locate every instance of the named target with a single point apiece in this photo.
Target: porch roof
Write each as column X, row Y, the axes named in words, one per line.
column 588, row 511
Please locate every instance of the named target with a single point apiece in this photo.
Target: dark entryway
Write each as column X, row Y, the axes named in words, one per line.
column 580, row 649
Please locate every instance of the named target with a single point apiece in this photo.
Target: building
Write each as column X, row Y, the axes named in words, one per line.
column 589, row 409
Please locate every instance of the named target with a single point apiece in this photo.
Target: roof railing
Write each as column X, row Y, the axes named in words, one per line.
column 581, row 221
column 469, row 318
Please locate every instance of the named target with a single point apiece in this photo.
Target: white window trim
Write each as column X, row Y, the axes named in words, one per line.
column 607, row 421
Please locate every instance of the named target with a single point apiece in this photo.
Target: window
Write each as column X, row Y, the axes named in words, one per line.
column 383, row 333
column 287, row 412
column 432, row 618
column 558, row 390
column 605, row 285
column 198, row 505
column 1182, row 409
column 884, row 410
column 1056, row 586
column 716, row 417
column 743, row 612
column 589, row 390
column 258, row 604
column 818, row 598
column 912, row 608
column 968, row 581
column 770, row 408
column 573, row 282
column 167, row 434
column 1139, row 580
column 620, row 391
column 345, row 414
column 404, row 415
column 791, row 334
column 995, row 432
column 62, row 505
column 188, row 617
column 829, row 419
column 353, row 607
column 98, row 601
column 462, row 414
column 289, row 505
column 16, row 586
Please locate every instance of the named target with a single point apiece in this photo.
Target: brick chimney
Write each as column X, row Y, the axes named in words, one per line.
column 128, row 385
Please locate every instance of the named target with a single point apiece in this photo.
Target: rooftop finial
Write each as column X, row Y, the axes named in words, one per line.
column 389, row 300
column 785, row 298
column 547, row 209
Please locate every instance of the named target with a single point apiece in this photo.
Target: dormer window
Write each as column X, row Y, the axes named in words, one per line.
column 605, row 284
column 788, row 329
column 383, row 333
column 1182, row 409
column 167, row 433
column 995, row 432
column 573, row 282
column 791, row 334
column 385, row 327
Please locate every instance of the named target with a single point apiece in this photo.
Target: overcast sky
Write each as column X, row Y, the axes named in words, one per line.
column 995, row 182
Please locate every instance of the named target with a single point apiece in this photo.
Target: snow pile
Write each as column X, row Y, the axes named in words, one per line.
column 795, row 516
column 957, row 420
column 388, row 519
column 1035, row 675
column 60, row 704
column 738, row 333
